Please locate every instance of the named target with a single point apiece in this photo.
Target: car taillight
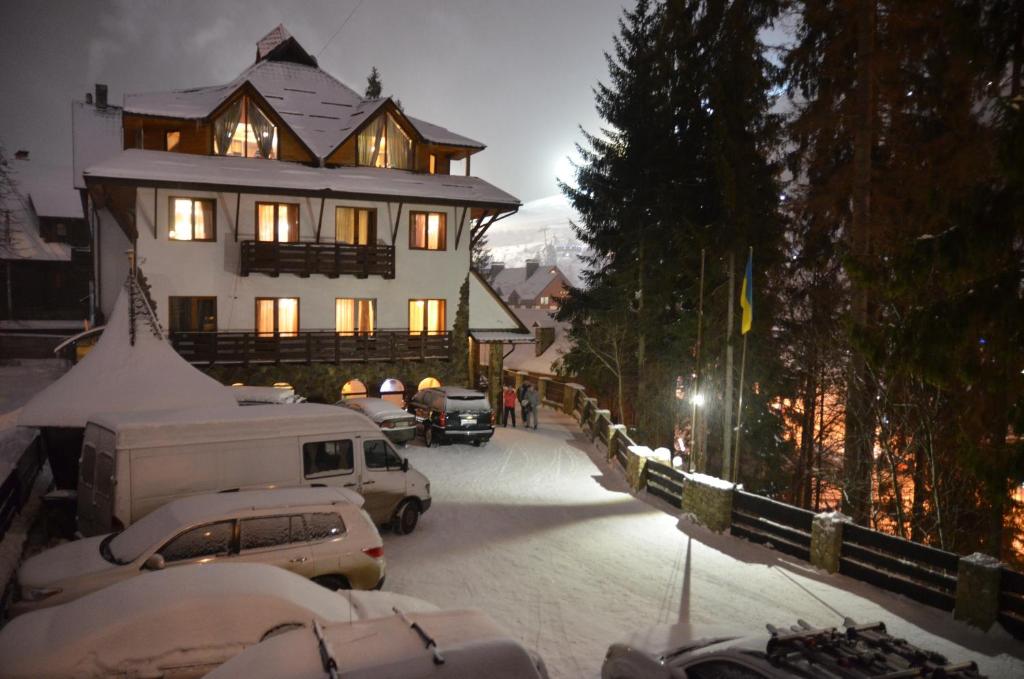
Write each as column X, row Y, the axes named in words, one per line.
column 374, row 552
column 443, row 421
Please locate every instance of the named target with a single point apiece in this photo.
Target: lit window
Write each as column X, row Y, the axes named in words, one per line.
column 173, row 138
column 277, row 222
column 545, row 300
column 426, row 316
column 433, row 164
column 355, row 226
column 277, row 316
column 383, row 143
column 244, row 130
column 352, row 316
column 427, row 231
column 192, row 219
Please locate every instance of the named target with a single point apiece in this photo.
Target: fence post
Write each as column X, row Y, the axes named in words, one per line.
column 587, row 413
column 568, row 398
column 616, row 432
column 827, row 540
column 599, row 416
column 542, row 389
column 636, row 462
column 977, row 590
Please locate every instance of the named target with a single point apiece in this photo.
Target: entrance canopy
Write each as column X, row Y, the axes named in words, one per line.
column 119, row 377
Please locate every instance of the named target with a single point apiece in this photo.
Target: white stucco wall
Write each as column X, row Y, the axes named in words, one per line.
column 184, row 268
column 112, row 268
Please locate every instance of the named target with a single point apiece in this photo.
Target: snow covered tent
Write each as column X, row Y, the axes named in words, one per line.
column 131, row 368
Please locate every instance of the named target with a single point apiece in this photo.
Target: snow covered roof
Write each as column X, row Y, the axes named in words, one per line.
column 487, row 312
column 119, row 376
column 502, row 337
column 320, row 109
column 49, row 186
column 526, row 287
column 273, row 176
column 20, row 238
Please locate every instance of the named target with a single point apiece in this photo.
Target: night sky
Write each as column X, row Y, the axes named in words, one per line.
column 514, row 74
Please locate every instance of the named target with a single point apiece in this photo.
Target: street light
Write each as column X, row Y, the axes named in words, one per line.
column 697, row 400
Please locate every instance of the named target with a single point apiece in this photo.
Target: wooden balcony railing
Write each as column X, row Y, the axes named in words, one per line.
column 309, row 346
column 329, row 259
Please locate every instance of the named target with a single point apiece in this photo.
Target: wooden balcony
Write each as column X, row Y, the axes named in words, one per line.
column 309, row 346
column 328, row 259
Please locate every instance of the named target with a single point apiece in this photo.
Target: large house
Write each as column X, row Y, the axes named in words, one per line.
column 534, row 286
column 282, row 217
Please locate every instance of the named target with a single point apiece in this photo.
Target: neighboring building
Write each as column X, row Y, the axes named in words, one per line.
column 551, row 342
column 282, row 217
column 44, row 252
column 533, row 286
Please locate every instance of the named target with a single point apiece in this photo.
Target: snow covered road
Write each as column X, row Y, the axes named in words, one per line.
column 537, row 530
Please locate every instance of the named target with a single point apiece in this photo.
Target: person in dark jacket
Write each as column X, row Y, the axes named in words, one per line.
column 533, row 399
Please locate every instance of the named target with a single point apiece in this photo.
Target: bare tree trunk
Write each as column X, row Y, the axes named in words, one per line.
column 860, row 427
column 807, row 438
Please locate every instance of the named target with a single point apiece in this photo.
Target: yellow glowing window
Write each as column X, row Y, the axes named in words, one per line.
column 433, row 164
column 426, row 316
column 383, row 143
column 277, row 316
column 354, row 316
column 244, row 130
column 355, row 226
column 192, row 219
column 173, row 138
column 427, row 231
column 277, row 222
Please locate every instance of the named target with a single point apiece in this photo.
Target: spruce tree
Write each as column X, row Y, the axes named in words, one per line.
column 373, row 84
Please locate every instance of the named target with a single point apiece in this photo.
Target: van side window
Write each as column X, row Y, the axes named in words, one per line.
column 88, row 463
column 266, row 531
column 322, row 526
column 104, row 484
column 212, row 539
column 379, row 455
column 327, row 457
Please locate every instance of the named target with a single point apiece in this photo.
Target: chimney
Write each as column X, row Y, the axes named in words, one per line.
column 21, row 154
column 531, row 266
column 88, row 98
column 101, row 96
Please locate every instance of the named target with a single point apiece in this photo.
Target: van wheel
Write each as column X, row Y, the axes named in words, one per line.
column 428, row 436
column 332, row 582
column 406, row 518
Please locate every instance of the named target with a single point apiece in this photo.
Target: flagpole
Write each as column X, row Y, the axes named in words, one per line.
column 739, row 408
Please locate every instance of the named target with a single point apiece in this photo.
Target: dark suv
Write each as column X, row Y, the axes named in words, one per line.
column 452, row 413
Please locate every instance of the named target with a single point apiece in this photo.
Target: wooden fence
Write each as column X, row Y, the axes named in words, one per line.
column 1011, row 602
column 328, row 259
column 763, row 520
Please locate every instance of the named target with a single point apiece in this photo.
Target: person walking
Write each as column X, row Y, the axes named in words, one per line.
column 508, row 406
column 533, row 398
column 523, row 404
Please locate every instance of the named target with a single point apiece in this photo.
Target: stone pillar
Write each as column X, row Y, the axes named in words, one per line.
column 587, row 413
column 636, row 460
column 616, row 432
column 709, row 500
column 568, row 398
column 827, row 540
column 977, row 590
column 495, row 363
column 595, row 428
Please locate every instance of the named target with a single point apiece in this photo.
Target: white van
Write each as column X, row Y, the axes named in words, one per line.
column 132, row 463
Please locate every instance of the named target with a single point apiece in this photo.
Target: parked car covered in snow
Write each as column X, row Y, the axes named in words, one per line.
column 134, row 462
column 463, row 644
column 452, row 414
column 318, row 533
column 180, row 622
column 398, row 425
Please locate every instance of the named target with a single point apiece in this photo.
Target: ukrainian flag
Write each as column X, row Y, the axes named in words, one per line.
column 747, row 295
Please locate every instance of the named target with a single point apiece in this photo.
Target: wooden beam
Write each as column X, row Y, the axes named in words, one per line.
column 462, row 223
column 156, row 195
column 320, row 220
column 238, row 212
column 398, row 217
column 481, row 230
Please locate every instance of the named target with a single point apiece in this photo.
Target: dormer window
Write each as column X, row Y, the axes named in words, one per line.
column 384, row 144
column 244, row 130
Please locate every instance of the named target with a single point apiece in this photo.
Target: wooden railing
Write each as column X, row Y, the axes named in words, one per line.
column 328, row 259
column 763, row 520
column 310, row 346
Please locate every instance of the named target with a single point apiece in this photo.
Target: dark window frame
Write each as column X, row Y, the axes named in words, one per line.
column 371, row 230
column 387, row 450
column 277, row 316
column 444, row 230
column 329, row 473
column 193, row 300
column 212, row 230
column 425, row 330
column 277, row 205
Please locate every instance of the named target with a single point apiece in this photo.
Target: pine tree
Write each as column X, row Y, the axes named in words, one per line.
column 373, row 84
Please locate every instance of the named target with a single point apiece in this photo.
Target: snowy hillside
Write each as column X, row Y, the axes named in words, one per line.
column 540, row 230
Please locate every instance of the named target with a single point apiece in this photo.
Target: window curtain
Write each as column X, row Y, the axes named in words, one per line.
column 265, row 317
column 344, row 225
column 265, row 222
column 366, row 316
column 201, row 217
column 434, row 231
column 417, row 316
column 399, row 147
column 225, row 126
column 288, row 316
column 287, row 223
column 371, row 141
column 419, row 231
column 182, row 228
column 435, row 316
column 345, row 316
column 263, row 130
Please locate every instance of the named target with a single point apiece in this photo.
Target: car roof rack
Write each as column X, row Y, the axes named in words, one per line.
column 860, row 652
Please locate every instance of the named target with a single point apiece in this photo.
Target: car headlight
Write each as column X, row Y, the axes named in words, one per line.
column 39, row 593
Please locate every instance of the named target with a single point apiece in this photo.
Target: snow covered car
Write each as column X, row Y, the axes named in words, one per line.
column 179, row 623
column 318, row 533
column 445, row 644
column 397, row 425
column 452, row 414
column 687, row 652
